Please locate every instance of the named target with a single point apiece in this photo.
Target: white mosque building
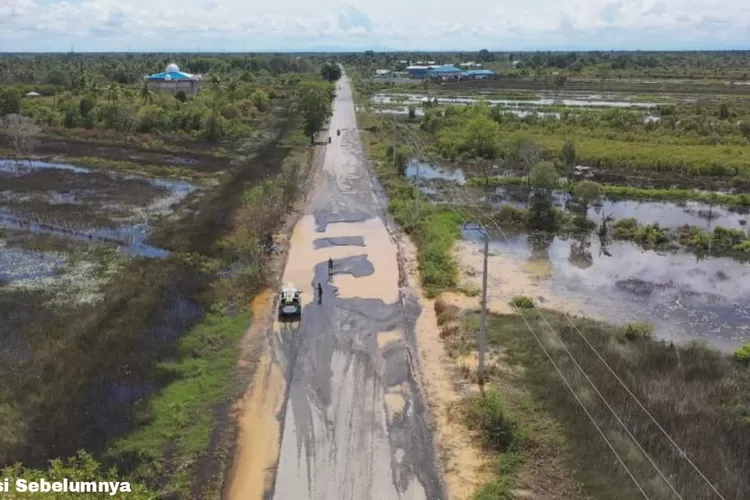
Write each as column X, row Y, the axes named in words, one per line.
column 173, row 80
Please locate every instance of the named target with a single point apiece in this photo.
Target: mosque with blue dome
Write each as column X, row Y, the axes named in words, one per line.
column 173, row 80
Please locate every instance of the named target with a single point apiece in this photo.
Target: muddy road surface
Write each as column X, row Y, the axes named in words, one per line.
column 335, row 411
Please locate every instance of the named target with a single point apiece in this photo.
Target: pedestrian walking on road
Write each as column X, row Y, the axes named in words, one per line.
column 320, row 294
column 330, row 266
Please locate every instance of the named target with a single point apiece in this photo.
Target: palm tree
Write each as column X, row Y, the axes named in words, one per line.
column 147, row 94
column 113, row 93
column 96, row 91
column 216, row 87
column 232, row 87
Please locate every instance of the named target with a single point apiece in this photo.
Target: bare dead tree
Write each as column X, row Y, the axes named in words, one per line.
column 23, row 132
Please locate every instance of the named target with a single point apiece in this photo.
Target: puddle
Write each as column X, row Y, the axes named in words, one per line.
column 581, row 103
column 18, row 264
column 130, row 238
column 15, row 167
column 429, row 171
column 685, row 299
column 339, row 241
column 177, row 160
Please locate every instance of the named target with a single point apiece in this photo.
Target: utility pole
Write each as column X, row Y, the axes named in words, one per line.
column 483, row 331
column 418, row 194
column 394, row 141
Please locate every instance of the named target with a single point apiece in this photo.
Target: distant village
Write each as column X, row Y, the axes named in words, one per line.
column 420, row 70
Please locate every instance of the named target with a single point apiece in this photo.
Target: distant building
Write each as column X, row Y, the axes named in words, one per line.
column 418, row 71
column 446, row 72
column 173, row 80
column 471, row 65
column 33, row 94
column 382, row 72
column 478, row 74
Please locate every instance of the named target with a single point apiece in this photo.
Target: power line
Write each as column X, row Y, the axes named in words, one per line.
column 580, row 368
column 682, row 453
column 583, row 407
column 638, row 401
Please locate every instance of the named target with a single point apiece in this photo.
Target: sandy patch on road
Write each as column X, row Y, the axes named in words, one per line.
column 394, row 404
column 257, row 433
column 386, row 338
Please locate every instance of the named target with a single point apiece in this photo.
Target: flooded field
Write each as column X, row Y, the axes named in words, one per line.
column 49, row 211
column 686, row 298
column 440, row 182
column 683, row 297
column 414, row 99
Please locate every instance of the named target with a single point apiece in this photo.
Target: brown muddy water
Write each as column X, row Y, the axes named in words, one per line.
column 683, row 297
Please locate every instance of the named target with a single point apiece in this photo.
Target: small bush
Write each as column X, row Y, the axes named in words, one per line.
column 501, row 430
column 522, row 302
column 637, row 331
column 743, row 354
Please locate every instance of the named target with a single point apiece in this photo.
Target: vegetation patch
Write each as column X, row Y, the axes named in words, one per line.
column 719, row 242
column 685, row 388
column 178, row 420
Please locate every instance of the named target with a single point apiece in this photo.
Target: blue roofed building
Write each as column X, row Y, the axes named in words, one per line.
column 446, row 72
column 173, row 80
column 418, row 71
column 479, row 74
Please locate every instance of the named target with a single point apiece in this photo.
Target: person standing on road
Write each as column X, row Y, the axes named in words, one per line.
column 320, row 294
column 330, row 266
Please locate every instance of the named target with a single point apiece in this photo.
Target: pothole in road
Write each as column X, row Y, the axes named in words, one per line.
column 387, row 338
column 336, row 241
column 394, row 404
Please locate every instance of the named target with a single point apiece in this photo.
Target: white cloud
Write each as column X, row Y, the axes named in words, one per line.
column 40, row 25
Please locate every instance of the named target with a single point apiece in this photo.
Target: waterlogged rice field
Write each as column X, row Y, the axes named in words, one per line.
column 67, row 229
column 683, row 296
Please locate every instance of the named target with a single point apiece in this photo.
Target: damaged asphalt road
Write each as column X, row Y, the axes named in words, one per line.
column 353, row 424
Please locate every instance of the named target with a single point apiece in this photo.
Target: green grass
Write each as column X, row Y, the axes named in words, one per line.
column 180, row 416
column 504, row 433
column 664, row 377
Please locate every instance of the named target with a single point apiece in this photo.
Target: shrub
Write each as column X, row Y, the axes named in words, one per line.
column 743, row 354
column 501, row 430
column 522, row 302
column 637, row 331
column 181, row 96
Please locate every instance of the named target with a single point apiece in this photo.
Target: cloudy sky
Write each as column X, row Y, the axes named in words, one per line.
column 254, row 25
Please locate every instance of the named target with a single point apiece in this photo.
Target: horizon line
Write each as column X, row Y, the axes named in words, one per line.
column 357, row 50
